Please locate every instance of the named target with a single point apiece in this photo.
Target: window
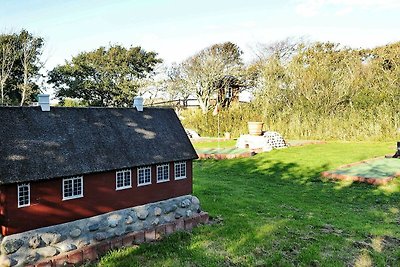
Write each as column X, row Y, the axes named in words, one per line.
column 180, row 170
column 144, row 176
column 72, row 188
column 123, row 179
column 24, row 195
column 162, row 173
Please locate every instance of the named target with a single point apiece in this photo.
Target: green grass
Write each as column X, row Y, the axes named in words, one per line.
column 232, row 150
column 375, row 168
column 274, row 210
column 215, row 144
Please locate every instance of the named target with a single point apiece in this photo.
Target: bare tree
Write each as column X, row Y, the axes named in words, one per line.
column 8, row 55
column 283, row 50
column 205, row 72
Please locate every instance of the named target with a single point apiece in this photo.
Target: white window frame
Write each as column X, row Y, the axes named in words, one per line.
column 124, row 173
column 161, row 168
column 138, row 174
column 180, row 164
column 20, row 191
column 73, row 196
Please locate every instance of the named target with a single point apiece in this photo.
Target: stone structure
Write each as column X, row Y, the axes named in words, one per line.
column 75, row 237
column 265, row 142
column 274, row 139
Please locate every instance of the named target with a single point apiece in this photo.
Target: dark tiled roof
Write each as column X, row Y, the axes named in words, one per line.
column 36, row 145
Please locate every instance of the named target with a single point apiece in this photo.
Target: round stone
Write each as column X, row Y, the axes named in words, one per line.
column 34, row 241
column 51, row 238
column 157, row 211
column 12, row 245
column 129, row 220
column 75, row 233
column 100, row 236
column 142, row 214
column 170, row 208
column 47, row 251
column 94, row 227
column 185, row 203
column 66, row 247
column 195, row 201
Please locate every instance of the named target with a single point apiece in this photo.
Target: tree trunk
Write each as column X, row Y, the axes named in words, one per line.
column 25, row 85
column 203, row 105
column 2, row 92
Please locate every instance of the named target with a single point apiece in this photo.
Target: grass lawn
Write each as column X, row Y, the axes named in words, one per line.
column 274, row 210
column 214, row 144
column 375, row 168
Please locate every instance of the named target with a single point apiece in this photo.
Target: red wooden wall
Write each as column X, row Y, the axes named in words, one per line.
column 99, row 196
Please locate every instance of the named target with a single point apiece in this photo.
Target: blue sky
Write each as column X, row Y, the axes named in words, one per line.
column 177, row 29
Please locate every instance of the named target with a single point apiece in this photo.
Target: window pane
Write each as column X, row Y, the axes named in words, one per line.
column 73, row 187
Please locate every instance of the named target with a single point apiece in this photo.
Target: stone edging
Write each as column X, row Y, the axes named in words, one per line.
column 94, row 252
column 361, row 179
column 33, row 246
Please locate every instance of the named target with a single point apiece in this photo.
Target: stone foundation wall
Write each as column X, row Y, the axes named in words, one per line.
column 89, row 238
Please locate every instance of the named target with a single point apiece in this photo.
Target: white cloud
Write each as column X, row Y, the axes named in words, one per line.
column 344, row 11
column 310, row 8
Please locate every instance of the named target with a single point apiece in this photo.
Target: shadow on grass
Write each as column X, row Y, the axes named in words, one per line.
column 179, row 249
column 274, row 210
column 277, row 208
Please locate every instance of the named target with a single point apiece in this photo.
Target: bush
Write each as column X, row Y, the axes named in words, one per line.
column 381, row 123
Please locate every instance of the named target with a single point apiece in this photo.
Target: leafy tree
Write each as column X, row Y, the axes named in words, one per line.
column 19, row 67
column 104, row 77
column 8, row 56
column 30, row 50
column 206, row 72
column 174, row 84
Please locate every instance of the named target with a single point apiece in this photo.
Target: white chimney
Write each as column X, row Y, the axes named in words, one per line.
column 44, row 102
column 138, row 103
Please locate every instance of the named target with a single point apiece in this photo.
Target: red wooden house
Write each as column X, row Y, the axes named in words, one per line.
column 66, row 164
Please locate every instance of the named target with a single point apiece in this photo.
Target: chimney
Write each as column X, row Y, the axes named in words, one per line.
column 44, row 102
column 138, row 103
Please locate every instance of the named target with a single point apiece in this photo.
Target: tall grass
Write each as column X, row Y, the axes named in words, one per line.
column 380, row 123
